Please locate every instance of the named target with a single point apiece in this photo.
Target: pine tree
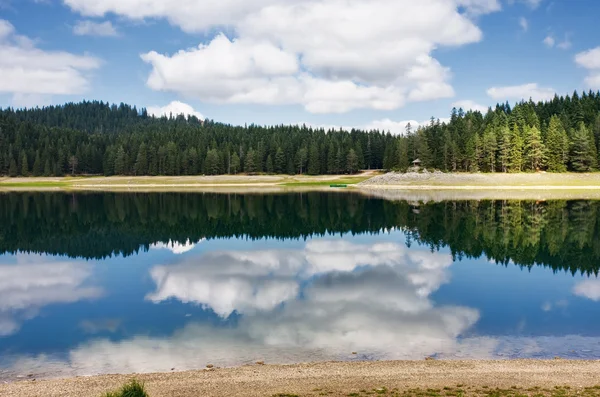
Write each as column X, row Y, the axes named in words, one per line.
column 314, row 163
column 12, row 169
column 534, row 150
column 423, row 151
column 331, row 159
column 249, row 165
column 402, row 154
column 515, row 163
column 211, row 163
column 504, row 148
column 120, row 161
column 37, row 165
column 235, row 163
column 352, row 162
column 301, row 159
column 580, row 150
column 269, row 166
column 557, row 145
column 24, row 165
column 141, row 163
column 47, row 169
column 280, row 163
column 489, row 147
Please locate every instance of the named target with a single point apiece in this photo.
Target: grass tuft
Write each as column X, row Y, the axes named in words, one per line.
column 131, row 389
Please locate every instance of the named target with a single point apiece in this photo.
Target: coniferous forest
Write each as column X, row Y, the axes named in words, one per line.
column 95, row 138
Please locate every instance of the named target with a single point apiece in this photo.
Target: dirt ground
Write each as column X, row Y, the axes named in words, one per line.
column 433, row 378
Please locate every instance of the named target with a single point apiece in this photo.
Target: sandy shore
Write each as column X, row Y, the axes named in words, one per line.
column 333, row 379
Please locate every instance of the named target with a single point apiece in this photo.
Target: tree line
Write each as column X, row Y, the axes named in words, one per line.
column 562, row 235
column 96, row 138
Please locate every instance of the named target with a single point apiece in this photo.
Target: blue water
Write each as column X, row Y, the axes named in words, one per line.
column 234, row 301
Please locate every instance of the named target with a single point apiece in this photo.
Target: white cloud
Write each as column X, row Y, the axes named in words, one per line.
column 565, row 44
column 31, row 284
column 331, row 67
column 248, row 281
column 524, row 24
column 590, row 60
column 549, row 41
column 521, row 92
column 174, row 108
column 467, row 104
column 589, row 289
column 29, row 71
column 91, row 28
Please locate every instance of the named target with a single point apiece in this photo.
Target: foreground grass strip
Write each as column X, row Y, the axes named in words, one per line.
column 463, row 391
column 131, row 389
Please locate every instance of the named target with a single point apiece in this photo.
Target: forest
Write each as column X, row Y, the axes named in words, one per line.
column 96, row 138
column 562, row 235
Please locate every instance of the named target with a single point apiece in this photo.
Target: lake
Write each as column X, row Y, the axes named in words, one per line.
column 129, row 282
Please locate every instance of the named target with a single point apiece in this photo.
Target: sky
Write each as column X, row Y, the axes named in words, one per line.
column 331, row 63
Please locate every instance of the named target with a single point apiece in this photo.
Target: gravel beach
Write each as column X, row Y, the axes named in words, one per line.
column 332, row 378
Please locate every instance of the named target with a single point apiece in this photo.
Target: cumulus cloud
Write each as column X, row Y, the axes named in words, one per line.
column 331, row 67
column 524, row 24
column 589, row 289
column 519, row 92
column 28, row 71
column 468, row 104
column 31, row 284
column 590, row 60
column 91, row 28
column 249, row 281
column 549, row 41
column 174, row 108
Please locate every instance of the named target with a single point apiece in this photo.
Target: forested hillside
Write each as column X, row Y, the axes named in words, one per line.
column 98, row 138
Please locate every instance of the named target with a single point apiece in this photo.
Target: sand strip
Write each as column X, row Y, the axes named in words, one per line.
column 336, row 379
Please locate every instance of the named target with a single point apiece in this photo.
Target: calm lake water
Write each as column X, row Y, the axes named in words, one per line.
column 120, row 283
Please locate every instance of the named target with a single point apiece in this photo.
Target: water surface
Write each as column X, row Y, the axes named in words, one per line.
column 120, row 283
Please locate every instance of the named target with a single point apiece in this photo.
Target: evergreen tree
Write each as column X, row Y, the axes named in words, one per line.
column 557, row 144
column 120, row 161
column 423, row 151
column 534, row 150
column 141, row 162
column 580, row 150
column 37, row 165
column 235, row 163
column 352, row 162
column 249, row 164
column 332, row 159
column 47, row 169
column 314, row 165
column 269, row 166
column 12, row 169
column 301, row 160
column 402, row 154
column 504, row 148
column 280, row 163
column 489, row 147
column 24, row 165
column 515, row 162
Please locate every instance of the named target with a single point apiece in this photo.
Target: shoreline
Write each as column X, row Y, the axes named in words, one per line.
column 335, row 378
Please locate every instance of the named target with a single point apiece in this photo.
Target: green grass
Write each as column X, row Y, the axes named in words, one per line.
column 131, row 389
column 34, row 184
column 327, row 183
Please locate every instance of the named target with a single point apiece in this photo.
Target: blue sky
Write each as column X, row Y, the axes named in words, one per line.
column 364, row 63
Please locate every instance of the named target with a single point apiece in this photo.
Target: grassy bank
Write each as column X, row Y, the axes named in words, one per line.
column 161, row 183
column 507, row 378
